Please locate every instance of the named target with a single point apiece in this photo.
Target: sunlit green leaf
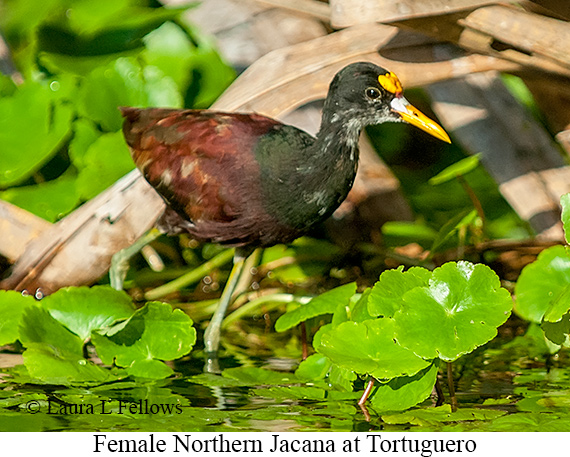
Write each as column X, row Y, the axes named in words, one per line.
column 369, row 348
column 359, row 311
column 53, row 354
column 313, row 367
column 556, row 320
column 459, row 311
column 170, row 49
column 106, row 160
column 7, row 86
column 12, row 307
column 33, row 124
column 403, row 392
column 460, row 168
column 52, row 366
column 210, row 74
column 38, row 326
column 155, row 332
column 325, row 303
column 84, row 309
column 124, row 83
column 50, row 200
column 342, row 378
column 94, row 34
column 85, row 133
column 387, row 294
column 541, row 282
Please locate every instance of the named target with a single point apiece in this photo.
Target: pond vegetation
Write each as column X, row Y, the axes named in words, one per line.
column 416, row 332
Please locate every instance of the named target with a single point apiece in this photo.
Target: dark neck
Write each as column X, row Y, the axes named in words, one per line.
column 339, row 130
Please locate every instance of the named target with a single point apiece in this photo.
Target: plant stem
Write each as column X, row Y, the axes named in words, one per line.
column 439, row 392
column 192, row 276
column 473, row 197
column 276, row 299
column 367, row 391
column 451, row 387
column 304, row 341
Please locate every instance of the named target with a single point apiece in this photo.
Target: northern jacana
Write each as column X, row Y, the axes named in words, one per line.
column 249, row 181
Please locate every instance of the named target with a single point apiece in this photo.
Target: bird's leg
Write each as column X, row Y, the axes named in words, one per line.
column 120, row 261
column 212, row 333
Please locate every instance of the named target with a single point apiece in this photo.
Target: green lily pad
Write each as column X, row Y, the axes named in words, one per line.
column 541, row 282
column 50, row 200
column 153, row 333
column 325, row 303
column 38, row 326
column 84, row 135
column 387, row 294
column 52, row 366
column 404, row 392
column 459, row 311
column 359, row 311
column 556, row 320
column 124, row 82
column 369, row 347
column 53, row 354
column 12, row 307
column 33, row 124
column 170, row 49
column 106, row 160
column 342, row 378
column 314, row 367
column 84, row 309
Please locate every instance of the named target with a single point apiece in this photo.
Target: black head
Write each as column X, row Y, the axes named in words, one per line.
column 363, row 94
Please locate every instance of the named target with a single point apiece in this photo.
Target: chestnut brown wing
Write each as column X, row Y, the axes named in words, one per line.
column 203, row 164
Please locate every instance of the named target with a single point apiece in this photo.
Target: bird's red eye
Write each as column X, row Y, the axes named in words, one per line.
column 372, row 93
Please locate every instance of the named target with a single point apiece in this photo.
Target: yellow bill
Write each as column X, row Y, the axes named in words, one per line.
column 415, row 117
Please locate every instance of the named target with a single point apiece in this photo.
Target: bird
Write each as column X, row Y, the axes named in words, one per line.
column 249, row 181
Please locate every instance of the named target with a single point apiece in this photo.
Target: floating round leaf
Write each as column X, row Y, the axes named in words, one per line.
column 369, row 347
column 386, row 296
column 541, row 282
column 459, row 311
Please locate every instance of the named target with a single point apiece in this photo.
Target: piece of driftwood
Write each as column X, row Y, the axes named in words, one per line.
column 313, row 8
column 531, row 40
column 77, row 250
column 346, row 13
column 515, row 149
column 18, row 227
column 526, row 38
column 246, row 30
column 287, row 78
